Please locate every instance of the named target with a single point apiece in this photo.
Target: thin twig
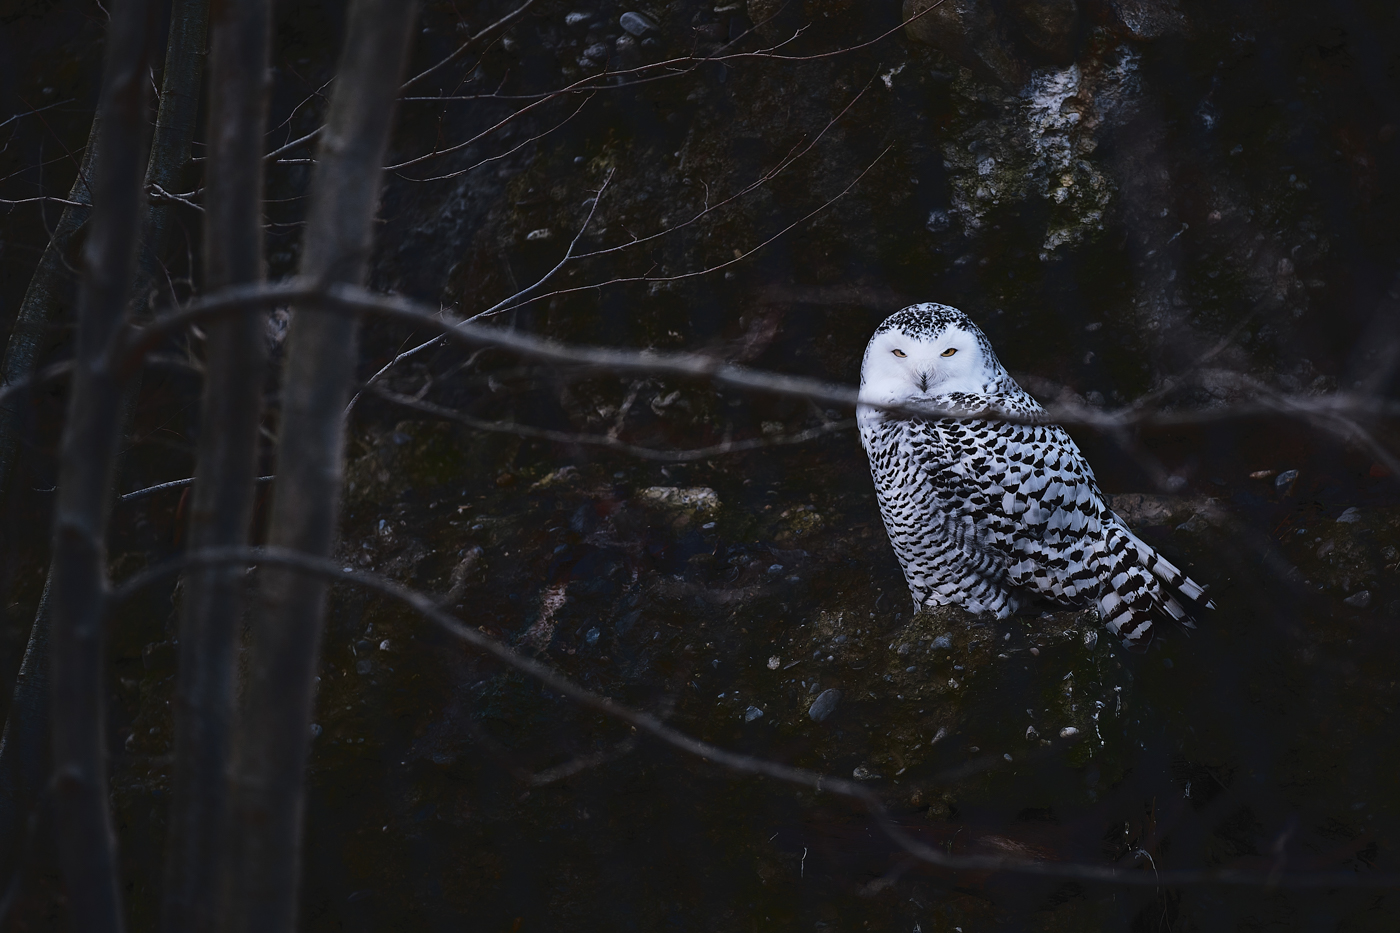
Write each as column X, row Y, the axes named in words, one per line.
column 511, row 302
column 481, row 36
column 173, row 484
column 383, row 370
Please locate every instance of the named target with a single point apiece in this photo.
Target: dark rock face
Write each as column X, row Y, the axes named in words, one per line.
column 969, row 32
column 1178, row 204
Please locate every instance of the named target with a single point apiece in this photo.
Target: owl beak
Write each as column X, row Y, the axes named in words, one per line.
column 923, row 382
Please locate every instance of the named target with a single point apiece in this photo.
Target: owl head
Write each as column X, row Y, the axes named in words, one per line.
column 923, row 352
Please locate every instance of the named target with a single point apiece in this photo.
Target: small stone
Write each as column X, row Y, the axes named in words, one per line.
column 638, row 24
column 384, row 645
column 1284, row 481
column 774, row 662
column 974, row 749
column 543, row 233
column 591, row 636
column 577, row 18
column 824, row 705
column 1350, row 516
column 1035, row 652
column 942, row 641
column 316, row 730
column 1068, row 732
column 1091, row 638
column 363, row 666
column 1031, row 734
column 862, row 773
column 1261, row 474
column 1360, row 600
column 1007, row 757
column 752, row 713
column 681, row 498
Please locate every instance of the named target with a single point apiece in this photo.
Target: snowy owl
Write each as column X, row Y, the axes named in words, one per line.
column 990, row 514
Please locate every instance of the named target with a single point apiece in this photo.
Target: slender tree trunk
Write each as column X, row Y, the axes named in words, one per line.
column 170, row 147
column 222, row 501
column 274, row 733
column 23, row 746
column 87, row 844
column 50, row 288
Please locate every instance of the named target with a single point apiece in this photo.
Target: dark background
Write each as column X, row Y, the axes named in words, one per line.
column 1217, row 219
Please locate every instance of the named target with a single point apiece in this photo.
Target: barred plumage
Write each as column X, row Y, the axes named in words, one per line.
column 986, row 513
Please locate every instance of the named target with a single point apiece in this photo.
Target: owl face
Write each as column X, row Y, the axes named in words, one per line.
column 920, row 353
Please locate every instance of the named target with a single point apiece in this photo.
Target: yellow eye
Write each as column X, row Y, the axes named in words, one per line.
column 949, row 352
column 900, row 353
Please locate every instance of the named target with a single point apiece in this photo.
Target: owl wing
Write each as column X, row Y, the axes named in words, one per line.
column 1026, row 494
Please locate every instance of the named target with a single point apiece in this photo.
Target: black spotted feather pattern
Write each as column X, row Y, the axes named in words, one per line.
column 985, row 513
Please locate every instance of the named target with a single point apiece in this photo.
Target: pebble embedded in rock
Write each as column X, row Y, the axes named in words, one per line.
column 1350, row 516
column 773, row 663
column 862, row 773
column 1361, row 600
column 592, row 636
column 824, row 705
column 638, row 24
column 752, row 713
column 1068, row 732
column 1284, row 481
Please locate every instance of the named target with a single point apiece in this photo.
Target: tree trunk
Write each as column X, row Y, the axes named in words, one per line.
column 273, row 738
column 23, row 751
column 222, row 500
column 50, row 288
column 86, row 842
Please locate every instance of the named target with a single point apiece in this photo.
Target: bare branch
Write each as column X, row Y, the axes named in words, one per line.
column 489, row 32
column 173, row 484
column 513, row 300
column 384, row 370
column 511, row 151
column 351, row 300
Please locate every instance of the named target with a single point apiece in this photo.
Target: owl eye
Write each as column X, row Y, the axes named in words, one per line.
column 900, row 353
column 949, row 352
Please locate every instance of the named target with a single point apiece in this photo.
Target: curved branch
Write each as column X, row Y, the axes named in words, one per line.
column 354, row 300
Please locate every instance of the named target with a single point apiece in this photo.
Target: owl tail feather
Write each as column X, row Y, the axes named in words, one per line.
column 1144, row 587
